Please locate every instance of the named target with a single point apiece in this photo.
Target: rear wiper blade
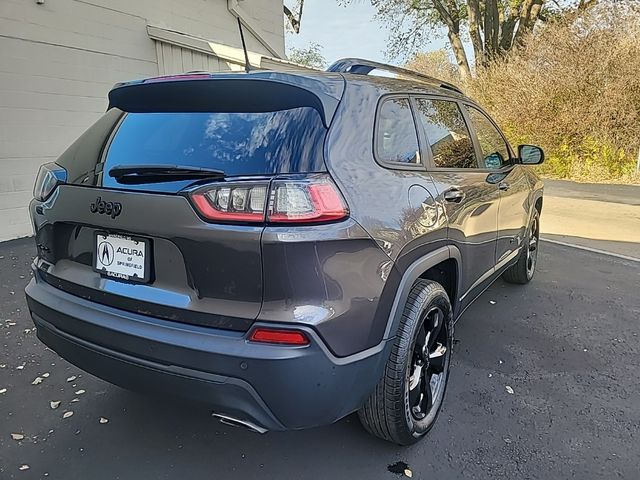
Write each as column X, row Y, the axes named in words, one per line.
column 135, row 174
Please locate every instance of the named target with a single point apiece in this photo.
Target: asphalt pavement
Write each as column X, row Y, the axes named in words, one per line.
column 566, row 345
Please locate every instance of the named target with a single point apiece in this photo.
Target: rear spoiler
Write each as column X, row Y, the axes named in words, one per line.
column 230, row 92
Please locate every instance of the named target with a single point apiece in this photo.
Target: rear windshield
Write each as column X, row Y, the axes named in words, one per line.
column 284, row 141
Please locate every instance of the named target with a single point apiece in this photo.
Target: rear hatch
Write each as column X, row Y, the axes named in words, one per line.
column 124, row 230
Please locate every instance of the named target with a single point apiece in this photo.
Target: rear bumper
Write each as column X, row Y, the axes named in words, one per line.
column 274, row 387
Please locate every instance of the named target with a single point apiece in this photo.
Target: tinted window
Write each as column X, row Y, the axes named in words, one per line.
column 495, row 153
column 396, row 137
column 285, row 141
column 447, row 134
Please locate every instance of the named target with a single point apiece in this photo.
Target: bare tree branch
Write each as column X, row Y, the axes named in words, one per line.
column 293, row 20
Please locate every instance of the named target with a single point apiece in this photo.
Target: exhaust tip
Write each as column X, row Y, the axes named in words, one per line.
column 236, row 422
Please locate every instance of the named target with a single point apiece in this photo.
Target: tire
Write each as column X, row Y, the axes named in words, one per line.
column 400, row 410
column 525, row 268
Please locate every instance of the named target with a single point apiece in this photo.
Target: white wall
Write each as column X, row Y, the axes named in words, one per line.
column 59, row 60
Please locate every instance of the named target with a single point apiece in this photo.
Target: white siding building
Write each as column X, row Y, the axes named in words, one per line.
column 59, row 58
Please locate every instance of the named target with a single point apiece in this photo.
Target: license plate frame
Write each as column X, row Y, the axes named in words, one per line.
column 121, row 239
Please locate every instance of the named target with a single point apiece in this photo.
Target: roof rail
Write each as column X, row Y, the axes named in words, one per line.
column 360, row 66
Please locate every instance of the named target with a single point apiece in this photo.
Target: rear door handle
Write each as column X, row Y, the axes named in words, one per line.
column 504, row 186
column 454, row 195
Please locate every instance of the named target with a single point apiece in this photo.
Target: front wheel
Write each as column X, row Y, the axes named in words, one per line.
column 407, row 400
column 523, row 270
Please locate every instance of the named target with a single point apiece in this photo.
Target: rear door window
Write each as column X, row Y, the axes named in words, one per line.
column 263, row 143
column 447, row 134
column 396, row 137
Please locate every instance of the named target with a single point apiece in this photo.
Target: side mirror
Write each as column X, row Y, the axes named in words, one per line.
column 493, row 161
column 530, row 154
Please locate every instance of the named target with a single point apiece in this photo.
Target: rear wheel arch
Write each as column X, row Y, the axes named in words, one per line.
column 436, row 264
column 538, row 204
column 445, row 273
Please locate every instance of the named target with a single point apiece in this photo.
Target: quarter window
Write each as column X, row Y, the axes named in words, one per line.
column 396, row 138
column 447, row 134
column 495, row 153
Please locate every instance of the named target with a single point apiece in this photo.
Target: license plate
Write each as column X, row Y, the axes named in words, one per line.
column 122, row 256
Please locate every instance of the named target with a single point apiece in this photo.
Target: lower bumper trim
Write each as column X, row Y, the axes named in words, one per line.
column 235, row 397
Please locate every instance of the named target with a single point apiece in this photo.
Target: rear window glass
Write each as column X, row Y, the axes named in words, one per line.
column 397, row 141
column 285, row 141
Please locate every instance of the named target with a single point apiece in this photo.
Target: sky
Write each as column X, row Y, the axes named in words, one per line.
column 345, row 31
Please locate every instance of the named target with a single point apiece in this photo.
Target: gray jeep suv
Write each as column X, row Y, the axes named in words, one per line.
column 288, row 248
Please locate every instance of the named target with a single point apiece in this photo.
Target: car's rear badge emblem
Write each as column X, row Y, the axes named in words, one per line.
column 112, row 209
column 105, row 250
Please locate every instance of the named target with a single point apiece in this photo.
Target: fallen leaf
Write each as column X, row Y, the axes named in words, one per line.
column 72, row 378
column 3, row 365
column 490, row 375
column 11, row 324
column 45, row 375
column 54, row 404
column 17, row 436
column 79, row 392
column 492, row 302
column 37, row 380
column 509, row 389
column 408, row 473
column 104, row 420
column 506, row 440
column 19, row 367
column 23, row 467
column 75, row 400
column 67, row 414
column 3, row 390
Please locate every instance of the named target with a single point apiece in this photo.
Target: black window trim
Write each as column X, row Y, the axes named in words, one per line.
column 426, row 152
column 420, row 167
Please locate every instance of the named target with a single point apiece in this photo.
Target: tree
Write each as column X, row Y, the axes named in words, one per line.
column 311, row 56
column 293, row 21
column 494, row 26
column 437, row 63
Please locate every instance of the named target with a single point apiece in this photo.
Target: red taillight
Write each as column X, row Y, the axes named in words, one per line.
column 311, row 200
column 241, row 202
column 308, row 201
column 279, row 336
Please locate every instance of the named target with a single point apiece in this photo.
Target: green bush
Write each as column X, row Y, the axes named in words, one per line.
column 592, row 160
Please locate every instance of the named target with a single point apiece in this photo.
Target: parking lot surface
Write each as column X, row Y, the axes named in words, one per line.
column 566, row 345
